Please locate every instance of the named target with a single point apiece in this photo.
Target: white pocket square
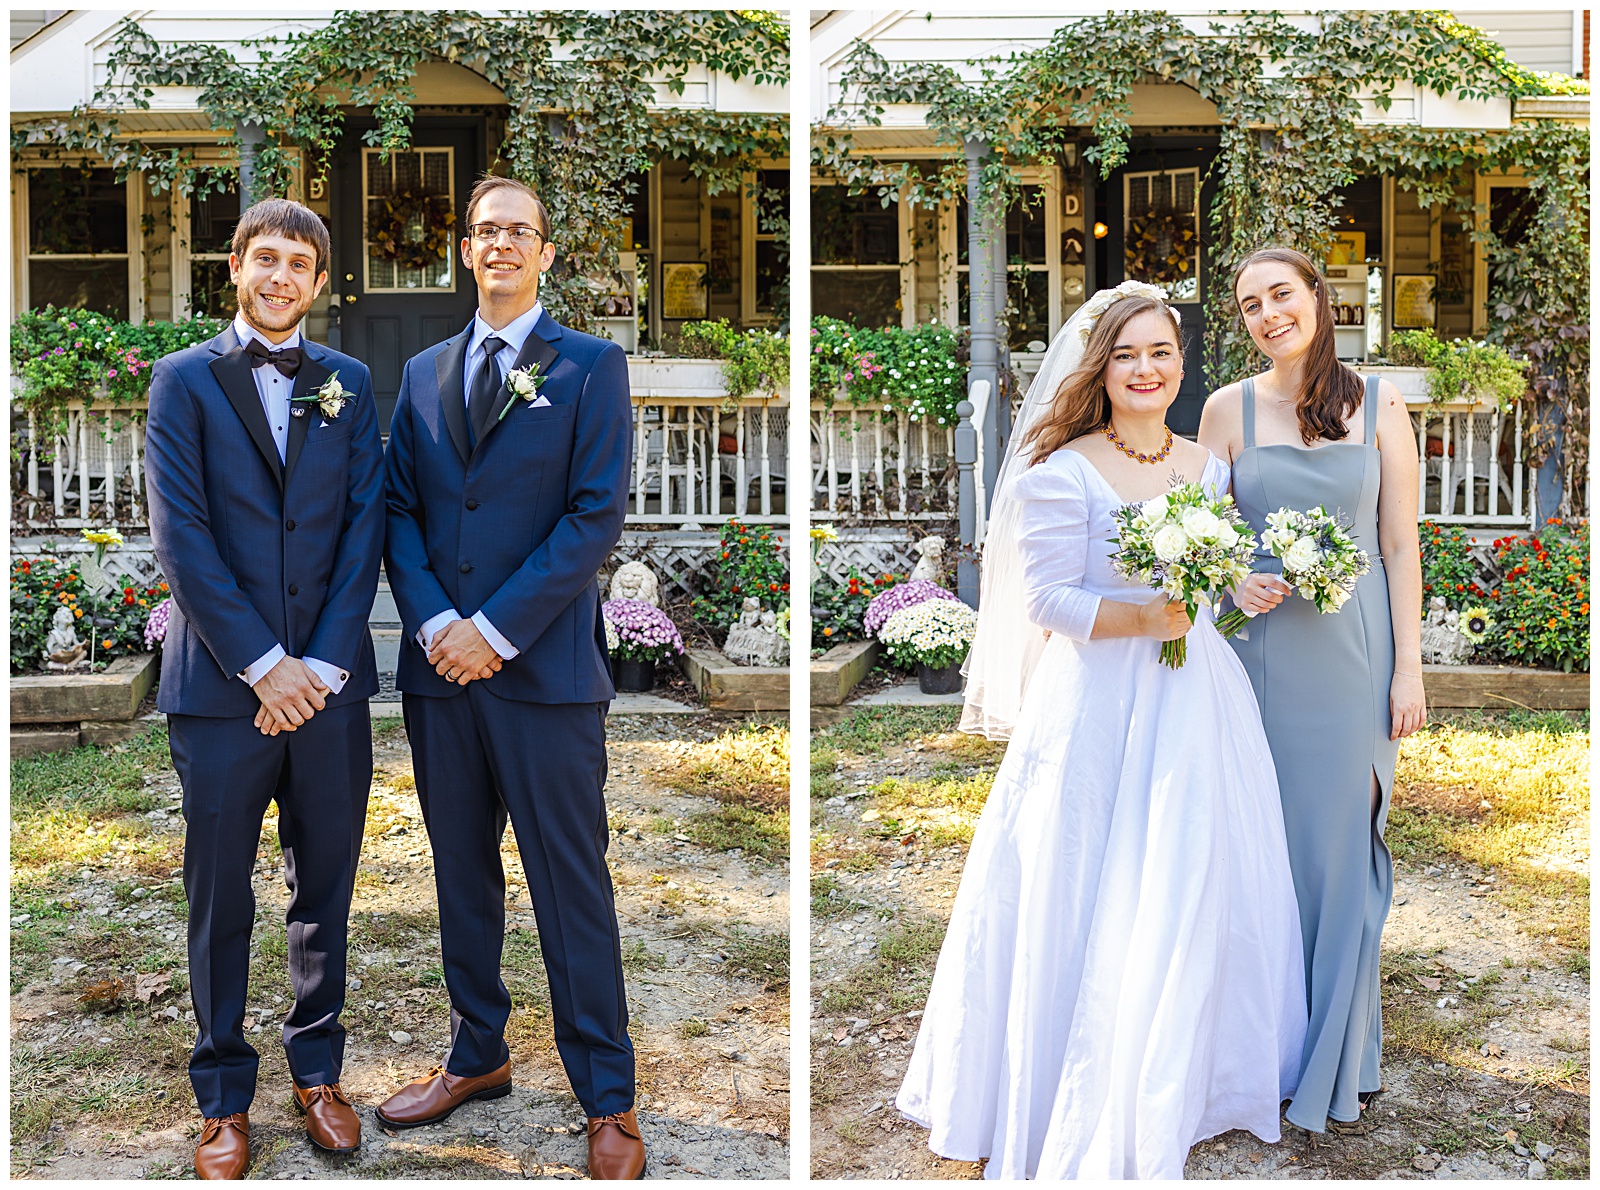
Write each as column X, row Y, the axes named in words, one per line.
column 323, row 425
column 539, row 402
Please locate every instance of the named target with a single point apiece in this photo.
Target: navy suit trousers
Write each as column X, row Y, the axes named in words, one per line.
column 319, row 775
column 479, row 759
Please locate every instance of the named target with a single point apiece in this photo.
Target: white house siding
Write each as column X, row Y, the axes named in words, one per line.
column 1539, row 40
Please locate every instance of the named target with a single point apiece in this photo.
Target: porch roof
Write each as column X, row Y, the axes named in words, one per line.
column 59, row 68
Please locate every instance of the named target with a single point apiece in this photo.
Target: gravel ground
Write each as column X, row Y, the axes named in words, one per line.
column 704, row 935
column 1460, row 965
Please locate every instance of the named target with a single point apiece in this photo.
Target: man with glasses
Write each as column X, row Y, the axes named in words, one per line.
column 507, row 480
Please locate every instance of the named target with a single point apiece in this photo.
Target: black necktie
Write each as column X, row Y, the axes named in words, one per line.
column 286, row 361
column 485, row 387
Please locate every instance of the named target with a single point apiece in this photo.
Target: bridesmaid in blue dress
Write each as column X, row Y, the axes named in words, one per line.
column 1337, row 692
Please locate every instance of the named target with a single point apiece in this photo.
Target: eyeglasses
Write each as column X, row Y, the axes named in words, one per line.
column 520, row 233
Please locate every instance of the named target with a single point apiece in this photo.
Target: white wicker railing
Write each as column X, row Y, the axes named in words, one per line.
column 895, row 470
column 693, row 461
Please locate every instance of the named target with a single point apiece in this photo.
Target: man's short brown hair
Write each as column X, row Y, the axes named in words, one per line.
column 283, row 217
column 489, row 184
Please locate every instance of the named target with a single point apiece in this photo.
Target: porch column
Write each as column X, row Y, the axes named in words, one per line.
column 251, row 137
column 966, row 456
column 983, row 316
column 1000, row 404
column 1549, row 481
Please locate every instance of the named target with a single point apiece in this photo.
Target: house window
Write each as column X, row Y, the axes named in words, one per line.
column 1028, row 266
column 77, row 221
column 212, row 218
column 764, row 274
column 857, row 270
column 408, row 200
column 1161, row 231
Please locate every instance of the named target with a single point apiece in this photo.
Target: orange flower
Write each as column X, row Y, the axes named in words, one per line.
column 77, row 613
column 1551, row 622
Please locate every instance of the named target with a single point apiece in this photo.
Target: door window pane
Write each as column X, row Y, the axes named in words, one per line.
column 212, row 294
column 410, row 220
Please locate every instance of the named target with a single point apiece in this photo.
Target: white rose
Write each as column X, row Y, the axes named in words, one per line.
column 1227, row 535
column 1302, row 555
column 1153, row 511
column 1170, row 543
column 1201, row 524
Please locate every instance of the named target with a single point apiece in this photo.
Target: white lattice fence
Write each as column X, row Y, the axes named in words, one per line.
column 872, row 552
column 677, row 557
column 135, row 558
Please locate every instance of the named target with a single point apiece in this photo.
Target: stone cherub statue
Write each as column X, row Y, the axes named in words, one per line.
column 930, row 560
column 754, row 640
column 1442, row 639
column 62, row 648
column 635, row 580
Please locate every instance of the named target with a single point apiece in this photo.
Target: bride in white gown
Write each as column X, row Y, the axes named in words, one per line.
column 1122, row 976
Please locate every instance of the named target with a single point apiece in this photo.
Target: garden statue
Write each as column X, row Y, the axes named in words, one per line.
column 752, row 641
column 780, row 646
column 930, row 560
column 1442, row 639
column 62, row 648
column 635, row 580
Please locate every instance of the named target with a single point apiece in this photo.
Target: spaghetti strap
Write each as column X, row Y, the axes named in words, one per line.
column 1371, row 402
column 1248, row 408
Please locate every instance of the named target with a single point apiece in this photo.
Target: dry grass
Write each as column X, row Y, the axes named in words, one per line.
column 749, row 766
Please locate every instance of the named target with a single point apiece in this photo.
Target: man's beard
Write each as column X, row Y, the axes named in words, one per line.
column 263, row 317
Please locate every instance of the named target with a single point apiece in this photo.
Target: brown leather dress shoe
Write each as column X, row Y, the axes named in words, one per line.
column 616, row 1150
column 224, row 1149
column 331, row 1123
column 436, row 1094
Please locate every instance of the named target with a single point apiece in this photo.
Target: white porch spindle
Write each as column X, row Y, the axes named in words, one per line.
column 901, row 440
column 1494, row 462
column 855, row 463
column 641, row 458
column 830, row 434
column 1470, row 427
column 927, row 480
column 136, row 437
column 740, row 495
column 1422, row 454
column 950, row 453
column 1446, row 504
column 877, row 461
column 766, row 461
column 58, row 493
column 1516, row 468
column 83, row 465
column 33, row 456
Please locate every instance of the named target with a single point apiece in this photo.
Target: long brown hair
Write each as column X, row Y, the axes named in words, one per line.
column 1329, row 391
column 1082, row 405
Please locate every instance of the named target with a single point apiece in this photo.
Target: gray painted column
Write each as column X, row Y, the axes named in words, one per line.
column 1000, row 407
column 251, row 138
column 966, row 456
column 983, row 316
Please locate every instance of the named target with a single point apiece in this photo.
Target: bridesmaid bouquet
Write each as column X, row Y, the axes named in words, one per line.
column 1187, row 545
column 1320, row 558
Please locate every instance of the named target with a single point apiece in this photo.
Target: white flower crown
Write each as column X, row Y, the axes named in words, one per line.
column 1106, row 298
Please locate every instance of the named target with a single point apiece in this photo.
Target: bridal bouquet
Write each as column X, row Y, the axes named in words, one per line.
column 1188, row 546
column 1320, row 558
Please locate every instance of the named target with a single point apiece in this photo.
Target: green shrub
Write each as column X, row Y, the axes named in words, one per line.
column 750, row 562
column 1448, row 568
column 41, row 585
column 1542, row 604
column 916, row 372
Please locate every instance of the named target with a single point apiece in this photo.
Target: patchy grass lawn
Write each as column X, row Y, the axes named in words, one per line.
column 1485, row 963
column 102, row 1026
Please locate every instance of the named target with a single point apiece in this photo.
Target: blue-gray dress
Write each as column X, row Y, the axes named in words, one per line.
column 1322, row 682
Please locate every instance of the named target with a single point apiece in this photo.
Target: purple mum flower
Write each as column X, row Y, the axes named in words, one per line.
column 897, row 598
column 644, row 632
column 155, row 628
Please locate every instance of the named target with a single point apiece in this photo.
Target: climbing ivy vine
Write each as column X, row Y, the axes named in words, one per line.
column 583, row 92
column 1291, row 99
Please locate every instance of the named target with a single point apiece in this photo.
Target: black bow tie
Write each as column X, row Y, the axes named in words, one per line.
column 286, row 361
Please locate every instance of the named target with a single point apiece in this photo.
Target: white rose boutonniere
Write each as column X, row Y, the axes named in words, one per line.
column 330, row 399
column 524, row 384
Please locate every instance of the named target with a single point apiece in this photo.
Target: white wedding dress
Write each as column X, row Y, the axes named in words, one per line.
column 1122, row 975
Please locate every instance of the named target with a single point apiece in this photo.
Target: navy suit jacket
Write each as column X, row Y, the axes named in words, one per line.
column 257, row 552
column 519, row 525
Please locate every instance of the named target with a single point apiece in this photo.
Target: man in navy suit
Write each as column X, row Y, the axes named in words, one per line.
column 507, row 480
column 266, row 508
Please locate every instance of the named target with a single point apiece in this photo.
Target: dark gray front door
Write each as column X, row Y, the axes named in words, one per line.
column 1167, row 181
column 396, row 294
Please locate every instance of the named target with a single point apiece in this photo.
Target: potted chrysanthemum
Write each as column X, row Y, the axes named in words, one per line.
column 934, row 636
column 639, row 635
